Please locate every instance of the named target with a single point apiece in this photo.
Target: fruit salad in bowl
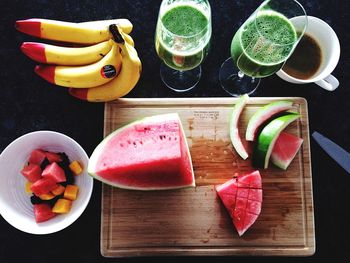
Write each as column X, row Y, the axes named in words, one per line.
column 44, row 185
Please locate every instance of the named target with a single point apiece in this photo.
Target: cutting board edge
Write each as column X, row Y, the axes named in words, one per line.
column 156, row 252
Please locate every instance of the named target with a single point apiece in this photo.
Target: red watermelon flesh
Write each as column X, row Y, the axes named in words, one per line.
column 43, row 212
column 32, row 172
column 43, row 186
column 37, row 156
column 55, row 172
column 150, row 154
column 242, row 197
column 285, row 149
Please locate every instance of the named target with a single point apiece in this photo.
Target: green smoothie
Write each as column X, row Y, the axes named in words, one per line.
column 262, row 44
column 182, row 37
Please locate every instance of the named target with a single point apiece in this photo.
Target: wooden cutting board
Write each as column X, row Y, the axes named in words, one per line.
column 193, row 221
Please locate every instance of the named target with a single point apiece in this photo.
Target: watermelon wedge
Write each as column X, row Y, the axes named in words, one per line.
column 242, row 198
column 263, row 114
column 285, row 149
column 267, row 138
column 234, row 132
column 148, row 154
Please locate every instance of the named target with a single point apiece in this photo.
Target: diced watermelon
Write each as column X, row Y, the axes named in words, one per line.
column 43, row 186
column 43, row 212
column 37, row 156
column 32, row 172
column 55, row 172
column 149, row 154
column 285, row 149
column 251, row 180
column 53, row 157
column 242, row 197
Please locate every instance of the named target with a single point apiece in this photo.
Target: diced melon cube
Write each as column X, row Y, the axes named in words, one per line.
column 55, row 172
column 58, row 190
column 32, row 172
column 71, row 192
column 47, row 196
column 76, row 168
column 27, row 187
column 62, row 206
column 53, row 157
column 37, row 156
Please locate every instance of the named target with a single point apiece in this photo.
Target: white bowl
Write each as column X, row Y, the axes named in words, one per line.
column 15, row 205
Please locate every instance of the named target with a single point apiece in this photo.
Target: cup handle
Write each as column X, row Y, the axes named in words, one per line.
column 329, row 83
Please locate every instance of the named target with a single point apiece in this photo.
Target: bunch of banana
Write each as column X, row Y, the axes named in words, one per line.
column 105, row 68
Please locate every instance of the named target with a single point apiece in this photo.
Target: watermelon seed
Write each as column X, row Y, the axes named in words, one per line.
column 121, row 145
column 134, row 143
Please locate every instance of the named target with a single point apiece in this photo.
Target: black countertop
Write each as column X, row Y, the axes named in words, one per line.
column 28, row 103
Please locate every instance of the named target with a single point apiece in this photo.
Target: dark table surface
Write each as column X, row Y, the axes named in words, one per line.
column 28, row 103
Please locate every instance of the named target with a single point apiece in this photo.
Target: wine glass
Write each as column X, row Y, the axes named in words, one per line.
column 262, row 44
column 182, row 41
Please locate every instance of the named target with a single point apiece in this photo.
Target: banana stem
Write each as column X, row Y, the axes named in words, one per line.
column 113, row 28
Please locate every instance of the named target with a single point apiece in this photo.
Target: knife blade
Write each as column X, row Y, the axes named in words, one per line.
column 341, row 156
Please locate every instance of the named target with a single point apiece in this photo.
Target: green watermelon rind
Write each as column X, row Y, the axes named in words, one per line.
column 234, row 133
column 267, row 138
column 263, row 114
column 283, row 164
column 99, row 149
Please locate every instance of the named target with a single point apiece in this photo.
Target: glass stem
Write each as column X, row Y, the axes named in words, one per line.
column 181, row 74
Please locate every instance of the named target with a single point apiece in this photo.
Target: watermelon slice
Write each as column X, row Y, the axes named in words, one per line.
column 234, row 132
column 37, row 156
column 43, row 212
column 267, row 138
column 53, row 157
column 242, row 198
column 32, row 172
column 43, row 186
column 286, row 147
column 149, row 154
column 263, row 114
column 55, row 172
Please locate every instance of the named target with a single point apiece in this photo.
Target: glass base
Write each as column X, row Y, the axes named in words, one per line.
column 180, row 81
column 234, row 82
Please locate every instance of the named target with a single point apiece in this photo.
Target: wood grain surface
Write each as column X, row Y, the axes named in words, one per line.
column 193, row 221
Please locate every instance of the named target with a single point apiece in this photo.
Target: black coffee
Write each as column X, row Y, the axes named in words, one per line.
column 305, row 60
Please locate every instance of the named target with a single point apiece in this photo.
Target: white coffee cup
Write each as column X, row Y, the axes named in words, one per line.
column 330, row 48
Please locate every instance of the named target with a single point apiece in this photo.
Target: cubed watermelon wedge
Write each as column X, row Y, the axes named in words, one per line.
column 43, row 186
column 242, row 198
column 53, row 157
column 148, row 154
column 285, row 149
column 55, row 172
column 37, row 156
column 43, row 212
column 32, row 172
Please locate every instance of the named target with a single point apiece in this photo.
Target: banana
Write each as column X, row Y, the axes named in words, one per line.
column 129, row 39
column 69, row 56
column 119, row 86
column 122, row 23
column 81, row 33
column 87, row 76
